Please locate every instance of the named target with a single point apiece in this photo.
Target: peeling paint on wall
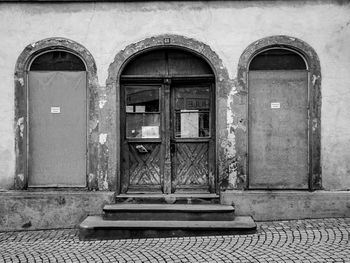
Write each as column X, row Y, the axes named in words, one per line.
column 21, row 81
column 314, row 79
column 19, row 181
column 93, row 124
column 102, row 103
column 20, row 124
column 20, row 177
column 230, row 143
column 105, row 184
column 92, row 182
column 103, row 138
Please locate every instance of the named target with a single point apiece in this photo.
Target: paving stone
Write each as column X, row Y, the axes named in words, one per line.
column 314, row 240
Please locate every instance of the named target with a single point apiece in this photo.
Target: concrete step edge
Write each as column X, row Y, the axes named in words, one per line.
column 208, row 208
column 97, row 222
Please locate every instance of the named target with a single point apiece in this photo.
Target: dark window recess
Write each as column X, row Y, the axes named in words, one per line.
column 277, row 59
column 57, row 61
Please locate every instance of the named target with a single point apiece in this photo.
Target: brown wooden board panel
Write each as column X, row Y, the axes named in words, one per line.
column 151, row 63
column 278, row 129
column 144, row 167
column 191, row 166
column 141, row 135
column 57, row 128
column 183, row 63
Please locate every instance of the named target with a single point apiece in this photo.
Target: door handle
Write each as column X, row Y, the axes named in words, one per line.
column 141, row 149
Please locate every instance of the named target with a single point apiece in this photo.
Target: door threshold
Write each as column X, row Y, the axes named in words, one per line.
column 179, row 198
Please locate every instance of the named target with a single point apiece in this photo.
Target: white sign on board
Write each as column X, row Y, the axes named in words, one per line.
column 275, row 105
column 55, row 109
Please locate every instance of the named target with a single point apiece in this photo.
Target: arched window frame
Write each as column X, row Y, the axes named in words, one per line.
column 55, row 49
column 314, row 75
column 21, row 105
column 279, row 48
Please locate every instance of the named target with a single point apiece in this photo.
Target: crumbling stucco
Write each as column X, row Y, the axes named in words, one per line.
column 23, row 210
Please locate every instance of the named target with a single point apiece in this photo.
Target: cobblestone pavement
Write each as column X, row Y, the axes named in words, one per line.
column 317, row 240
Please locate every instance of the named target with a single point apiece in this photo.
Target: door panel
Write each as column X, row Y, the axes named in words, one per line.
column 190, row 166
column 278, row 129
column 192, row 133
column 57, row 128
column 142, row 166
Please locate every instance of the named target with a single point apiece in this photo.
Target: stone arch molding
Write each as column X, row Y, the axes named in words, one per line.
column 222, row 86
column 314, row 70
column 20, row 76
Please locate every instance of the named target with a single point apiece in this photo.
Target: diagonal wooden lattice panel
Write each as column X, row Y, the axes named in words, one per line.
column 144, row 167
column 191, row 161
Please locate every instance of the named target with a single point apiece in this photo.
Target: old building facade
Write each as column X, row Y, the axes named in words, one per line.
column 244, row 102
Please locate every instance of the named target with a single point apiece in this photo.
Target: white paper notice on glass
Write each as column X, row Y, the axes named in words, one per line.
column 129, row 108
column 150, row 131
column 140, row 109
column 189, row 124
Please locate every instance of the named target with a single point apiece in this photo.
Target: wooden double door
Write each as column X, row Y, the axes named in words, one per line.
column 167, row 137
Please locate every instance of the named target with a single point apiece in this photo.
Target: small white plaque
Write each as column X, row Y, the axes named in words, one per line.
column 275, row 105
column 55, row 109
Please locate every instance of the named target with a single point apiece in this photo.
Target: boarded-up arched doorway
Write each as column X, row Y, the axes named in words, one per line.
column 167, row 123
column 57, row 117
column 278, row 120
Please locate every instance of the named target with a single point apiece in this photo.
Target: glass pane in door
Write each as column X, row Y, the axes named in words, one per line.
column 142, row 112
column 142, row 99
column 192, row 111
column 191, row 138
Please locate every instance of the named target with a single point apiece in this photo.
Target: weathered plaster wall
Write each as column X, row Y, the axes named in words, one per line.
column 282, row 205
column 58, row 209
column 227, row 27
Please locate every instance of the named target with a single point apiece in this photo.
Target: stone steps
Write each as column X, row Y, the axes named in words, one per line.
column 175, row 212
column 178, row 198
column 122, row 221
column 96, row 228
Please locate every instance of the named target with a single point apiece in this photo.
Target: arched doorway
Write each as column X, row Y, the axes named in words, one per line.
column 57, row 118
column 278, row 112
column 167, row 116
column 66, row 56
column 308, row 61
